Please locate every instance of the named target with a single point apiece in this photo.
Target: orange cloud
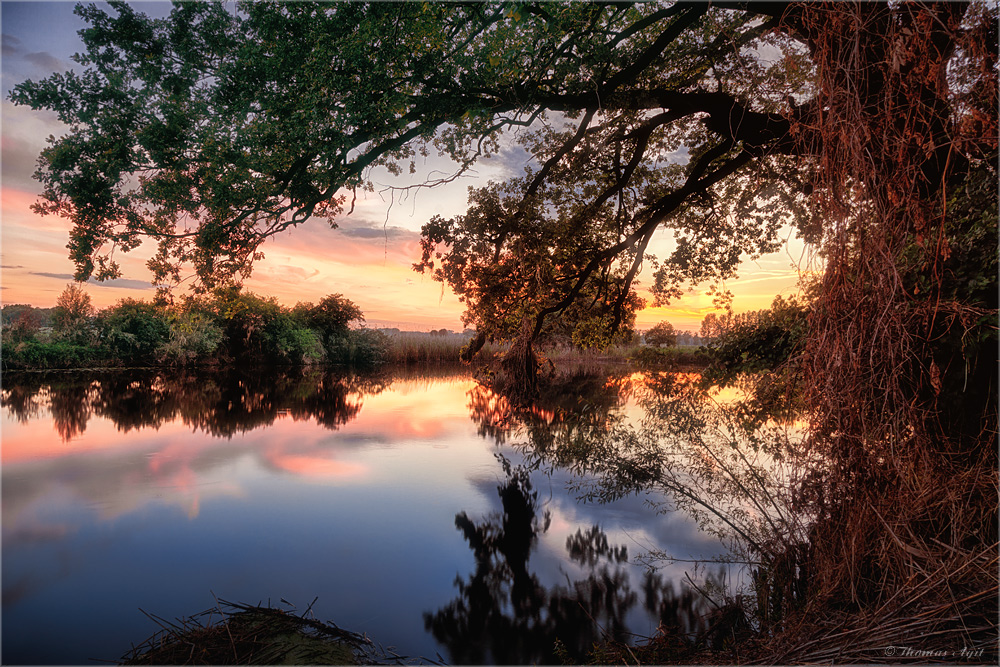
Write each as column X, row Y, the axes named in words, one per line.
column 318, row 467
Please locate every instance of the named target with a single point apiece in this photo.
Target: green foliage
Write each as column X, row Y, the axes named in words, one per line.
column 230, row 325
column 286, row 342
column 133, row 330
column 72, row 314
column 332, row 315
column 361, row 347
column 194, row 336
column 759, row 341
column 55, row 354
column 243, row 124
column 671, row 357
column 601, row 333
column 330, row 321
column 663, row 334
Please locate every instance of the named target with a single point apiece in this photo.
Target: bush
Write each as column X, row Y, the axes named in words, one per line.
column 756, row 342
column 133, row 330
column 287, row 342
column 57, row 354
column 193, row 336
column 360, row 347
column 652, row 357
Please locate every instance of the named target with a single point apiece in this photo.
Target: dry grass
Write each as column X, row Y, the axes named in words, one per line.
column 903, row 552
column 236, row 634
column 411, row 348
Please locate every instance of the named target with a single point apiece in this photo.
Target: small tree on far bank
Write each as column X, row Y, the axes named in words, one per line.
column 663, row 334
column 72, row 314
column 24, row 324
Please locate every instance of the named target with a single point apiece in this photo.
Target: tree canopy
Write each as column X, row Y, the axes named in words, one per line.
column 215, row 128
column 211, row 130
column 663, row 334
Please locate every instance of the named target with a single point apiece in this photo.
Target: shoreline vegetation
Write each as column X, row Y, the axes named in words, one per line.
column 235, row 327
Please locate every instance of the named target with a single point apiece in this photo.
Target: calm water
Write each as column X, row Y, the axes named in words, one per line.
column 398, row 500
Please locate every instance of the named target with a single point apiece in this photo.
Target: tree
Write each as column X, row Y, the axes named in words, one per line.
column 246, row 124
column 72, row 314
column 210, row 131
column 331, row 319
column 331, row 316
column 20, row 323
column 713, row 325
column 662, row 335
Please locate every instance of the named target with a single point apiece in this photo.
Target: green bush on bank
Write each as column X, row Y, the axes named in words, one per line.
column 230, row 326
column 133, row 330
column 358, row 347
column 47, row 354
column 194, row 337
column 758, row 341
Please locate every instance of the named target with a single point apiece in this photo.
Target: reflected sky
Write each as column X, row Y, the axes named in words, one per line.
column 359, row 508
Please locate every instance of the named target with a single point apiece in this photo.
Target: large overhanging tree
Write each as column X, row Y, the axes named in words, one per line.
column 213, row 129
column 220, row 126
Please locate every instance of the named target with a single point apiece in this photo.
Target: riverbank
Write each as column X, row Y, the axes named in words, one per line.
column 366, row 348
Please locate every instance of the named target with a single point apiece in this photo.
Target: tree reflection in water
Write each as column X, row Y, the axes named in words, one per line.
column 558, row 426
column 221, row 403
column 503, row 614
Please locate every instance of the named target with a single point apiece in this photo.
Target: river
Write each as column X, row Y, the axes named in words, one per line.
column 397, row 504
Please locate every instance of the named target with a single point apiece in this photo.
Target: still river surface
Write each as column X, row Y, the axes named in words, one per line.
column 399, row 500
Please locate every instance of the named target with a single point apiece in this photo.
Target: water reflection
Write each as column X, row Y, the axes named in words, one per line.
column 568, row 415
column 220, row 403
column 503, row 614
column 309, row 483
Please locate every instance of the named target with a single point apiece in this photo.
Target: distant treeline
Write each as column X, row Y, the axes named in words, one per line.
column 230, row 326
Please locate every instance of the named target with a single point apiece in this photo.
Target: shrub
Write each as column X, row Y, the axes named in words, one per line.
column 193, row 336
column 760, row 341
column 285, row 341
column 360, row 347
column 133, row 329
column 56, row 354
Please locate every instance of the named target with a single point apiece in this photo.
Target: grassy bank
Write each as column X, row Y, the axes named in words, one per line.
column 364, row 347
column 237, row 634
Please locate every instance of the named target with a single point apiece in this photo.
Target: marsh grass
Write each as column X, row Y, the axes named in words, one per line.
column 237, row 634
column 419, row 347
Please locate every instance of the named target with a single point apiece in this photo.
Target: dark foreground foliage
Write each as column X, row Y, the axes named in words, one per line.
column 238, row 634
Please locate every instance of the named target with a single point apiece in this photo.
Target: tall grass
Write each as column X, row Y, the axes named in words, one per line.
column 414, row 347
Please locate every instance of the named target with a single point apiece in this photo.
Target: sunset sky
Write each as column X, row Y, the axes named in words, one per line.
column 367, row 258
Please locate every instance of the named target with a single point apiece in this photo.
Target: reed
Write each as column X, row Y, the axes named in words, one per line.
column 418, row 347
